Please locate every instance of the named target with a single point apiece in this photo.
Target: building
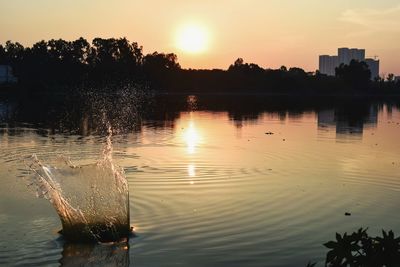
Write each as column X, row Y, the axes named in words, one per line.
column 328, row 64
column 346, row 55
column 373, row 66
column 6, row 75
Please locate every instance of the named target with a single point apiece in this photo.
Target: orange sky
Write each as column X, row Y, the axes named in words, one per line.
column 270, row 33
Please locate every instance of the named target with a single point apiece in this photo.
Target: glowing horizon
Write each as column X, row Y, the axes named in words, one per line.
column 268, row 33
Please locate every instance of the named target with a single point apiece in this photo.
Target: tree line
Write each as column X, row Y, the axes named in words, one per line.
column 72, row 62
column 59, row 62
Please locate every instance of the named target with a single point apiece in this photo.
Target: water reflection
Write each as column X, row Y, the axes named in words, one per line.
column 191, row 102
column 6, row 110
column 191, row 170
column 348, row 122
column 95, row 255
column 255, row 196
column 191, row 137
column 348, row 116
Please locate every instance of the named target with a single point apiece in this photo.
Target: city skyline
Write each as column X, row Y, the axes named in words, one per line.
column 212, row 35
column 328, row 63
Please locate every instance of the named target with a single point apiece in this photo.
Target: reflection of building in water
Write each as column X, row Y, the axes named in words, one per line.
column 326, row 118
column 372, row 119
column 6, row 74
column 348, row 121
column 7, row 110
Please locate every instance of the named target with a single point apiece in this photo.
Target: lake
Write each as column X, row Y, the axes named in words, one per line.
column 213, row 181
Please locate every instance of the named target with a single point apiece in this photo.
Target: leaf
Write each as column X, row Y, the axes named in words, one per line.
column 330, row 256
column 330, row 244
column 338, row 237
column 391, row 234
column 385, row 235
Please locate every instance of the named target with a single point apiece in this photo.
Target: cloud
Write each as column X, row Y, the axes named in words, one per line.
column 374, row 20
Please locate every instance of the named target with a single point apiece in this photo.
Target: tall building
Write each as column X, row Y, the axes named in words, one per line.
column 346, row 55
column 327, row 64
column 373, row 66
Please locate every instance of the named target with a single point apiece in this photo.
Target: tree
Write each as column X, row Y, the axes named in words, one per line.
column 356, row 74
column 14, row 52
column 159, row 62
column 390, row 78
column 299, row 72
column 2, row 55
column 81, row 50
column 237, row 65
column 240, row 66
column 283, row 68
column 161, row 69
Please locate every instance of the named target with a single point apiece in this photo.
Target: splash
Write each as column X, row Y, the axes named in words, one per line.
column 91, row 200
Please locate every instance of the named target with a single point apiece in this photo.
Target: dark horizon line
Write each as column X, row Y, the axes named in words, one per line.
column 61, row 62
column 175, row 53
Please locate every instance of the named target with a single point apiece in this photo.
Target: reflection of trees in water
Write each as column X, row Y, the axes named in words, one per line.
column 128, row 110
column 95, row 255
column 84, row 114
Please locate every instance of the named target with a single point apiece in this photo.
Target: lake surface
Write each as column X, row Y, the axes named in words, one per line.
column 213, row 182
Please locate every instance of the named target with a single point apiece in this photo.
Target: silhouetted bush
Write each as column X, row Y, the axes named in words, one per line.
column 361, row 250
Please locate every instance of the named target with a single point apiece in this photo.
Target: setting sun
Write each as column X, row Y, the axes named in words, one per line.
column 192, row 39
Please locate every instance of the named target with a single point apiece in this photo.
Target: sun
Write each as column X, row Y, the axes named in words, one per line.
column 192, row 38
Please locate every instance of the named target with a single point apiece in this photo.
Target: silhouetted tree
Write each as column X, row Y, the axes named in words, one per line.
column 81, row 51
column 161, row 68
column 283, row 68
column 390, row 78
column 61, row 62
column 2, row 55
column 356, row 74
column 115, row 58
column 240, row 66
column 14, row 52
column 237, row 65
column 297, row 72
column 160, row 61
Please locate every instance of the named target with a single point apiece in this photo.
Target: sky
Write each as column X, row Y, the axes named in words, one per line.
column 270, row 33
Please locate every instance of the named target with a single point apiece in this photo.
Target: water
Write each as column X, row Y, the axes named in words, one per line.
column 208, row 186
column 91, row 200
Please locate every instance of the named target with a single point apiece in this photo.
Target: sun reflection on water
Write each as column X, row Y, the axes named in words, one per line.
column 191, row 137
column 191, row 170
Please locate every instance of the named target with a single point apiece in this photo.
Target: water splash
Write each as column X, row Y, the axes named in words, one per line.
column 91, row 200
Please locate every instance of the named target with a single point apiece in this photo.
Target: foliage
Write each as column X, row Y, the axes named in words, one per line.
column 106, row 61
column 72, row 62
column 356, row 74
column 360, row 250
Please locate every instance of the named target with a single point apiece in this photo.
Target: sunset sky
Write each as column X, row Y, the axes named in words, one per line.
column 212, row 34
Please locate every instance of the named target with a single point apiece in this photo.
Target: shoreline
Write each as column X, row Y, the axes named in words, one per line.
column 16, row 90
